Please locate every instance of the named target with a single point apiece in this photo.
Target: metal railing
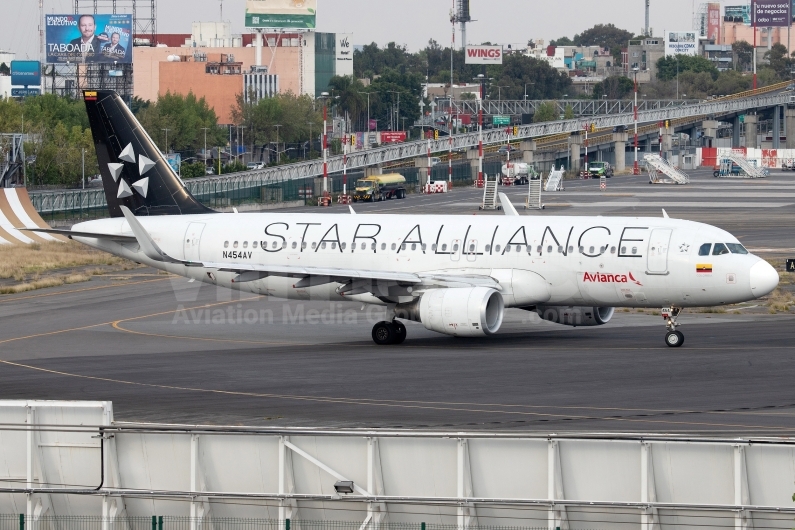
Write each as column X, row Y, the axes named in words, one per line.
column 155, row 522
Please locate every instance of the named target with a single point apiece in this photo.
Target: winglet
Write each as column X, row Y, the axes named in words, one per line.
column 150, row 248
column 507, row 207
column 665, row 214
column 352, row 211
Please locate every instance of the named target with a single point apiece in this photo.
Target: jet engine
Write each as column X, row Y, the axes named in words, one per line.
column 576, row 316
column 461, row 312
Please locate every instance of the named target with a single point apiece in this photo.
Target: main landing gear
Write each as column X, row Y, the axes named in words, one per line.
column 673, row 338
column 385, row 333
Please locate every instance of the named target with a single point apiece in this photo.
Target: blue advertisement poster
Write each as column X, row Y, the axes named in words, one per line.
column 25, row 73
column 89, row 38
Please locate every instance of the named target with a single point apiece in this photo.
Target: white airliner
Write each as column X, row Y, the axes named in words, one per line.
column 454, row 274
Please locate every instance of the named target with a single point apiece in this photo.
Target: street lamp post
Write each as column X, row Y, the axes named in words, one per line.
column 327, row 202
column 499, row 91
column 243, row 142
column 368, row 115
column 166, row 131
column 482, row 80
column 205, row 129
column 278, row 158
column 635, row 168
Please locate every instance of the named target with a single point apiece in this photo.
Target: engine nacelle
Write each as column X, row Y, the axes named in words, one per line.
column 461, row 312
column 576, row 316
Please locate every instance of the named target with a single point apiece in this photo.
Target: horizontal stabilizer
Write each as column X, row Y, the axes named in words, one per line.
column 72, row 233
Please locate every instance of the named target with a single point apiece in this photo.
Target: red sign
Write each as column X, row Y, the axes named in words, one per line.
column 393, row 137
column 713, row 22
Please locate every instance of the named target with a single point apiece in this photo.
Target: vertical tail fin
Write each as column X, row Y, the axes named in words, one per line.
column 134, row 172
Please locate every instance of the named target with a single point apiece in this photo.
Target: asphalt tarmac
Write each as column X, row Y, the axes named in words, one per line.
column 165, row 350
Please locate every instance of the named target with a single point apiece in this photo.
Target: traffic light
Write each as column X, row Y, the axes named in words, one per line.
column 593, row 127
column 436, row 134
column 667, row 124
column 353, row 140
column 515, row 130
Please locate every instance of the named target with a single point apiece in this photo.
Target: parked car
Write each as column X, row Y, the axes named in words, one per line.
column 255, row 165
column 620, row 129
column 435, row 160
column 788, row 164
column 504, row 149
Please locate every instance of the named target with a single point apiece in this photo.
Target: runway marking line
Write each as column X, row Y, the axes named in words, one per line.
column 80, row 290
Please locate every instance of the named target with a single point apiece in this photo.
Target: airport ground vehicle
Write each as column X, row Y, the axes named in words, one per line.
column 255, row 165
column 788, row 164
column 599, row 169
column 726, row 167
column 380, row 188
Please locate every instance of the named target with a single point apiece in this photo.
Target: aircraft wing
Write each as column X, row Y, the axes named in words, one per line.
column 72, row 233
column 326, row 272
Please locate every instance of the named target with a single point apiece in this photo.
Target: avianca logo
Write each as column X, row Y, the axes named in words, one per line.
column 598, row 277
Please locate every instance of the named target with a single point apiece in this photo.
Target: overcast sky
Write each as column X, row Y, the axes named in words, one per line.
column 410, row 22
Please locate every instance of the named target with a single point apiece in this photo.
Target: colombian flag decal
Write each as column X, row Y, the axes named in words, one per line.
column 90, row 96
column 704, row 268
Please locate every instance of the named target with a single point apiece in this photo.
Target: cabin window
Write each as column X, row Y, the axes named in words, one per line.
column 623, row 250
column 582, row 249
column 323, row 245
column 383, row 246
column 295, row 245
column 274, row 245
column 634, row 250
column 394, row 246
column 234, row 245
column 245, row 244
column 455, row 247
column 560, row 250
column 314, row 246
column 414, row 246
column 590, row 250
column 549, row 249
column 254, row 244
column 497, row 248
column 303, row 246
column 540, row 249
column 518, row 248
column 704, row 250
column 488, row 248
column 571, row 249
column 507, row 248
column 226, row 244
column 284, row 244
column 424, row 246
column 612, row 250
column 373, row 247
column 720, row 249
column 403, row 246
column 444, row 248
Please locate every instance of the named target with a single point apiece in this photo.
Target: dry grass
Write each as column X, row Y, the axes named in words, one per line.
column 23, row 261
column 51, row 281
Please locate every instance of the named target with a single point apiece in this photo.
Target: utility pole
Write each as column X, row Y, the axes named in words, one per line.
column 635, row 168
column 278, row 158
column 166, row 149
column 205, row 147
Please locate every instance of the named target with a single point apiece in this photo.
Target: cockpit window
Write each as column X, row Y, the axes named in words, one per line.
column 704, row 250
column 720, row 249
column 736, row 248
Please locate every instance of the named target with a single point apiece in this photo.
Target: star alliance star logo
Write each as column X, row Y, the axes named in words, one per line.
column 144, row 164
column 684, row 248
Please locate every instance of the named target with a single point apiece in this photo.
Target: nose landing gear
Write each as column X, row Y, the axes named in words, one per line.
column 673, row 338
column 385, row 333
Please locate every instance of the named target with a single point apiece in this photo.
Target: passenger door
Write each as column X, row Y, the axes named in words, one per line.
column 193, row 237
column 659, row 242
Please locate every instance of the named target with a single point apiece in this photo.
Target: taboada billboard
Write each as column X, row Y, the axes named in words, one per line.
column 297, row 14
column 484, row 55
column 89, row 38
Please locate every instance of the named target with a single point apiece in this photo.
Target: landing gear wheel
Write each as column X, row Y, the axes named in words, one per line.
column 674, row 339
column 383, row 333
column 400, row 332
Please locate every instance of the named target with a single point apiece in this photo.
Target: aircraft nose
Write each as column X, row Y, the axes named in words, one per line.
column 764, row 279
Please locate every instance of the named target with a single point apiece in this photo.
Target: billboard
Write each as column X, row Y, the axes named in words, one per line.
column 393, row 137
column 771, row 13
column 681, row 43
column 25, row 73
column 484, row 55
column 713, row 22
column 89, row 38
column 344, row 55
column 281, row 14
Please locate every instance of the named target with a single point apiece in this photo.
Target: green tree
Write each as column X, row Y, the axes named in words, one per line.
column 667, row 67
column 196, row 169
column 546, row 111
column 614, row 87
column 4, row 69
column 538, row 77
column 745, row 55
column 185, row 117
column 606, row 36
column 779, row 61
column 568, row 113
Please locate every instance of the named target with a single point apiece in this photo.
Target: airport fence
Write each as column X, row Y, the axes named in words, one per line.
column 21, row 522
column 61, row 206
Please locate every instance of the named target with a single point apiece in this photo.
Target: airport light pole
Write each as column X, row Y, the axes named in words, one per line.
column 242, row 141
column 635, row 168
column 499, row 92
column 166, row 131
column 368, row 114
column 325, row 96
column 205, row 129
